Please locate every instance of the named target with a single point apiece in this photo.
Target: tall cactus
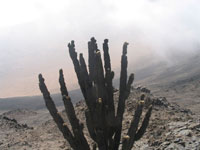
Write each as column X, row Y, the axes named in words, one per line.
column 104, row 125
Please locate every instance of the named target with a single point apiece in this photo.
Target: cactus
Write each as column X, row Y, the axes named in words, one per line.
column 104, row 125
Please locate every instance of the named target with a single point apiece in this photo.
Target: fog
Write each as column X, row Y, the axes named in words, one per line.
column 34, row 36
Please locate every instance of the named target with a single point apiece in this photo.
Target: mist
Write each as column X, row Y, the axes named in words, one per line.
column 34, row 36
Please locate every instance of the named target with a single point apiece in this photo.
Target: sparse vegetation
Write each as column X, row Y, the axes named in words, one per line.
column 104, row 121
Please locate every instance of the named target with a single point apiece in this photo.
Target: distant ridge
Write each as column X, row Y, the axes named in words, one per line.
column 35, row 102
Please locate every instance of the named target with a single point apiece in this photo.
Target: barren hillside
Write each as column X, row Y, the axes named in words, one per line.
column 171, row 127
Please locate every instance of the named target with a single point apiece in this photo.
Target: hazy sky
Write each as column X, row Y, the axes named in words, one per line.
column 34, row 36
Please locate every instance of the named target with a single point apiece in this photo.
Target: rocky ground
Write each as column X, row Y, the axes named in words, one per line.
column 171, row 127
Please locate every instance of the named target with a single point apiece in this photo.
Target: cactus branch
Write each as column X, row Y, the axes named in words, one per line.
column 75, row 61
column 133, row 128
column 122, row 95
column 144, row 125
column 76, row 126
column 54, row 113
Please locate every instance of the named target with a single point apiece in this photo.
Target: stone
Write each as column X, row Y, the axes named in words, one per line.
column 174, row 146
column 186, row 132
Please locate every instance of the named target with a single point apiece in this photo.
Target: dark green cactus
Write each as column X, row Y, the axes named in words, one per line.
column 104, row 126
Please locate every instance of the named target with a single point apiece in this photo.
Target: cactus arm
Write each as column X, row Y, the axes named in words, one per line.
column 97, row 93
column 90, row 125
column 144, row 125
column 133, row 128
column 100, row 125
column 73, row 55
column 63, row 87
column 83, row 68
column 77, row 128
column 107, row 65
column 90, row 101
column 128, row 87
column 92, row 48
column 109, row 86
column 123, row 82
column 122, row 91
column 54, row 113
column 99, row 76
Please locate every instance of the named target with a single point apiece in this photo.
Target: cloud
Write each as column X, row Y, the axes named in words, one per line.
column 34, row 35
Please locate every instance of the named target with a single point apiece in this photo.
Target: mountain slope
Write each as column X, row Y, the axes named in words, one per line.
column 179, row 82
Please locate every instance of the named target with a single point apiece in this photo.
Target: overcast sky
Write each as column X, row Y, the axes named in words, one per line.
column 34, row 36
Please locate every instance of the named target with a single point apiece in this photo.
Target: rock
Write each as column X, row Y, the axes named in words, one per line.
column 194, row 126
column 173, row 125
column 12, row 123
column 145, row 90
column 193, row 144
column 156, row 143
column 8, row 119
column 165, row 143
column 174, row 146
column 186, row 132
column 177, row 140
column 182, row 143
column 161, row 101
